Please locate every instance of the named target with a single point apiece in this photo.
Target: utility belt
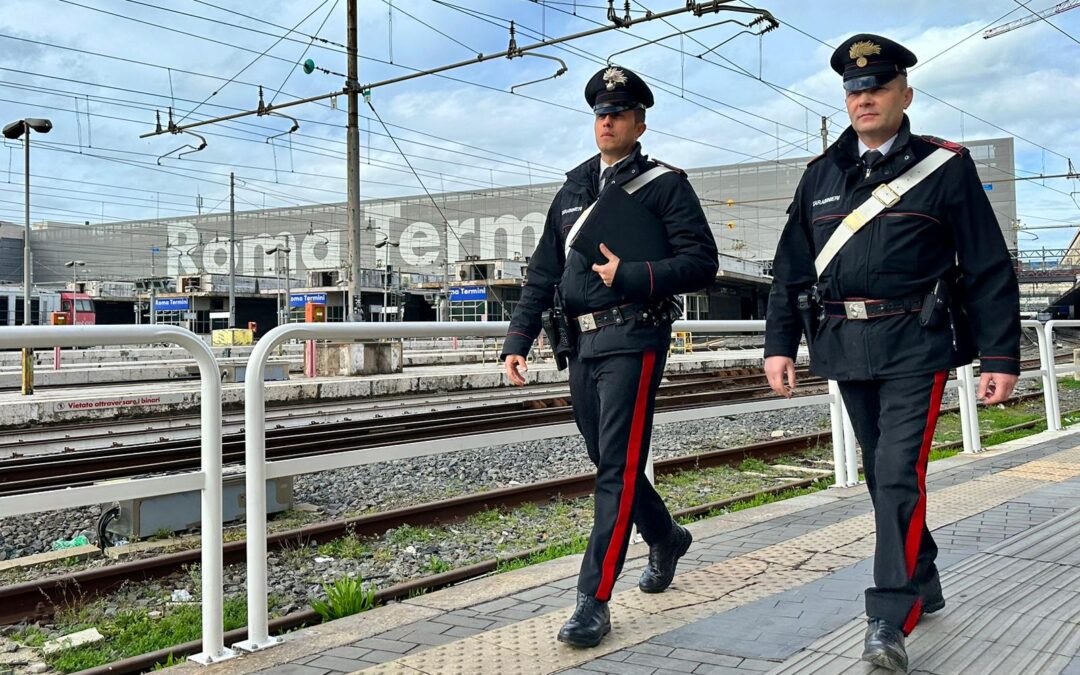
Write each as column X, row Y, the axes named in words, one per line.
column 562, row 331
column 613, row 316
column 862, row 309
column 932, row 308
column 659, row 312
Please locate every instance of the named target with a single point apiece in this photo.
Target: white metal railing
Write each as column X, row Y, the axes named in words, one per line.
column 207, row 479
column 1053, row 407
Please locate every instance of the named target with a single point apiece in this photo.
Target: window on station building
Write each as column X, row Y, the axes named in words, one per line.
column 697, row 307
column 468, row 311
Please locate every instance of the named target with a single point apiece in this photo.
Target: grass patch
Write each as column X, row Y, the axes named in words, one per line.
column 345, row 597
column 408, row 534
column 687, row 489
column 754, row 465
column 552, row 552
column 763, row 499
column 942, row 453
column 346, row 548
column 436, row 565
column 134, row 632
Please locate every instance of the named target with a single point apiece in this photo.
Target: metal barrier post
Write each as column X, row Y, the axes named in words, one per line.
column 967, row 390
column 851, row 456
column 962, row 383
column 836, row 417
column 207, row 480
column 1053, row 418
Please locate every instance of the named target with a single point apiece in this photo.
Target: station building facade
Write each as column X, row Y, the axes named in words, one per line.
column 410, row 257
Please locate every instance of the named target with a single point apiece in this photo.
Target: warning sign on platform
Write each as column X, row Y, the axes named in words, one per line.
column 100, row 403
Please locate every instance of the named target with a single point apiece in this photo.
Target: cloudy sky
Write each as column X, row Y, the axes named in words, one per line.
column 99, row 69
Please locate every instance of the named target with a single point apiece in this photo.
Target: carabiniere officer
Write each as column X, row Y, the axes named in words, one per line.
column 893, row 264
column 621, row 340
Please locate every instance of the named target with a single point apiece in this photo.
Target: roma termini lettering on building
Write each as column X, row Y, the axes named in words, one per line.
column 745, row 204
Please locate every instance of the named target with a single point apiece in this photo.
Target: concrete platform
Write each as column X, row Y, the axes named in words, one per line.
column 126, row 371
column 773, row 589
column 107, row 402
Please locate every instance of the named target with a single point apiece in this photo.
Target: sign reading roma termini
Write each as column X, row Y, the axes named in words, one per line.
column 745, row 204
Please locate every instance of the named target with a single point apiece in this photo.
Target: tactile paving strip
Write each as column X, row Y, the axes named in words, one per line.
column 471, row 656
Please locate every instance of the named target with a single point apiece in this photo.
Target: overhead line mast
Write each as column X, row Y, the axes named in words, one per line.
column 1031, row 18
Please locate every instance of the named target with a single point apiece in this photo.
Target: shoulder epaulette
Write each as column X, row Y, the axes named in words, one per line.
column 815, row 159
column 942, row 143
column 673, row 168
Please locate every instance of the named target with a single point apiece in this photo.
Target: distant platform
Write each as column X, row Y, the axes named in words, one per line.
column 107, row 402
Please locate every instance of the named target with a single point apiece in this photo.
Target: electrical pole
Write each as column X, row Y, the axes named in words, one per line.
column 446, row 271
column 232, row 250
column 353, row 160
column 27, row 353
column 288, row 288
column 824, row 133
column 153, row 284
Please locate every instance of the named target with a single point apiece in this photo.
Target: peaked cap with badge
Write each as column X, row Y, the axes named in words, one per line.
column 614, row 89
column 867, row 61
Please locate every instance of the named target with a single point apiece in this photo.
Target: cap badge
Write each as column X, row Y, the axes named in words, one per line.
column 860, row 50
column 613, row 77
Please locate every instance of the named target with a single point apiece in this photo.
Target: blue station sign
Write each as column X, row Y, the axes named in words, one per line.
column 171, row 304
column 302, row 299
column 468, row 293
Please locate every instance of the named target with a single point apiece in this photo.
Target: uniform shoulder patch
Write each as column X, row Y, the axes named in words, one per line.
column 942, row 143
column 669, row 166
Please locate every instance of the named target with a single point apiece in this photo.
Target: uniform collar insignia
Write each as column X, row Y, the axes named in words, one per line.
column 613, row 77
column 860, row 50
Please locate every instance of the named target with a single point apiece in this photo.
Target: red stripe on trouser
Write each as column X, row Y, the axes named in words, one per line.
column 918, row 517
column 630, row 472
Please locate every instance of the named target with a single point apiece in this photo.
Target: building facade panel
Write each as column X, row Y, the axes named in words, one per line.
column 744, row 203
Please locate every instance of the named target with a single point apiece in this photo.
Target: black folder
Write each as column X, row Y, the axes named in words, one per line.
column 629, row 229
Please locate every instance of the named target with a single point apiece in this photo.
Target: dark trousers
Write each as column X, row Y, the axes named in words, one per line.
column 613, row 399
column 894, row 421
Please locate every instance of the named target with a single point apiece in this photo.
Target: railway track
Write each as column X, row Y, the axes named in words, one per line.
column 20, row 475
column 39, row 598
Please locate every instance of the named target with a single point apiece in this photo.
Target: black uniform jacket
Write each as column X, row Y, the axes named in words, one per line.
column 942, row 226
column 691, row 266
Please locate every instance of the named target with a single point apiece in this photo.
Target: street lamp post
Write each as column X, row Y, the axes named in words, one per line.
column 386, row 271
column 288, row 291
column 344, row 286
column 13, row 131
column 74, row 265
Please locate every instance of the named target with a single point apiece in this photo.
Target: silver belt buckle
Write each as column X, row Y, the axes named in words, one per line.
column 586, row 322
column 855, row 309
column 886, row 195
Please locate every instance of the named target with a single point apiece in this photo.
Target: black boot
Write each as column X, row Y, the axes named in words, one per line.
column 663, row 556
column 884, row 646
column 589, row 623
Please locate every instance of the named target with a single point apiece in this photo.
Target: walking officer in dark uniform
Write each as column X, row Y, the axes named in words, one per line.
column 611, row 318
column 893, row 264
